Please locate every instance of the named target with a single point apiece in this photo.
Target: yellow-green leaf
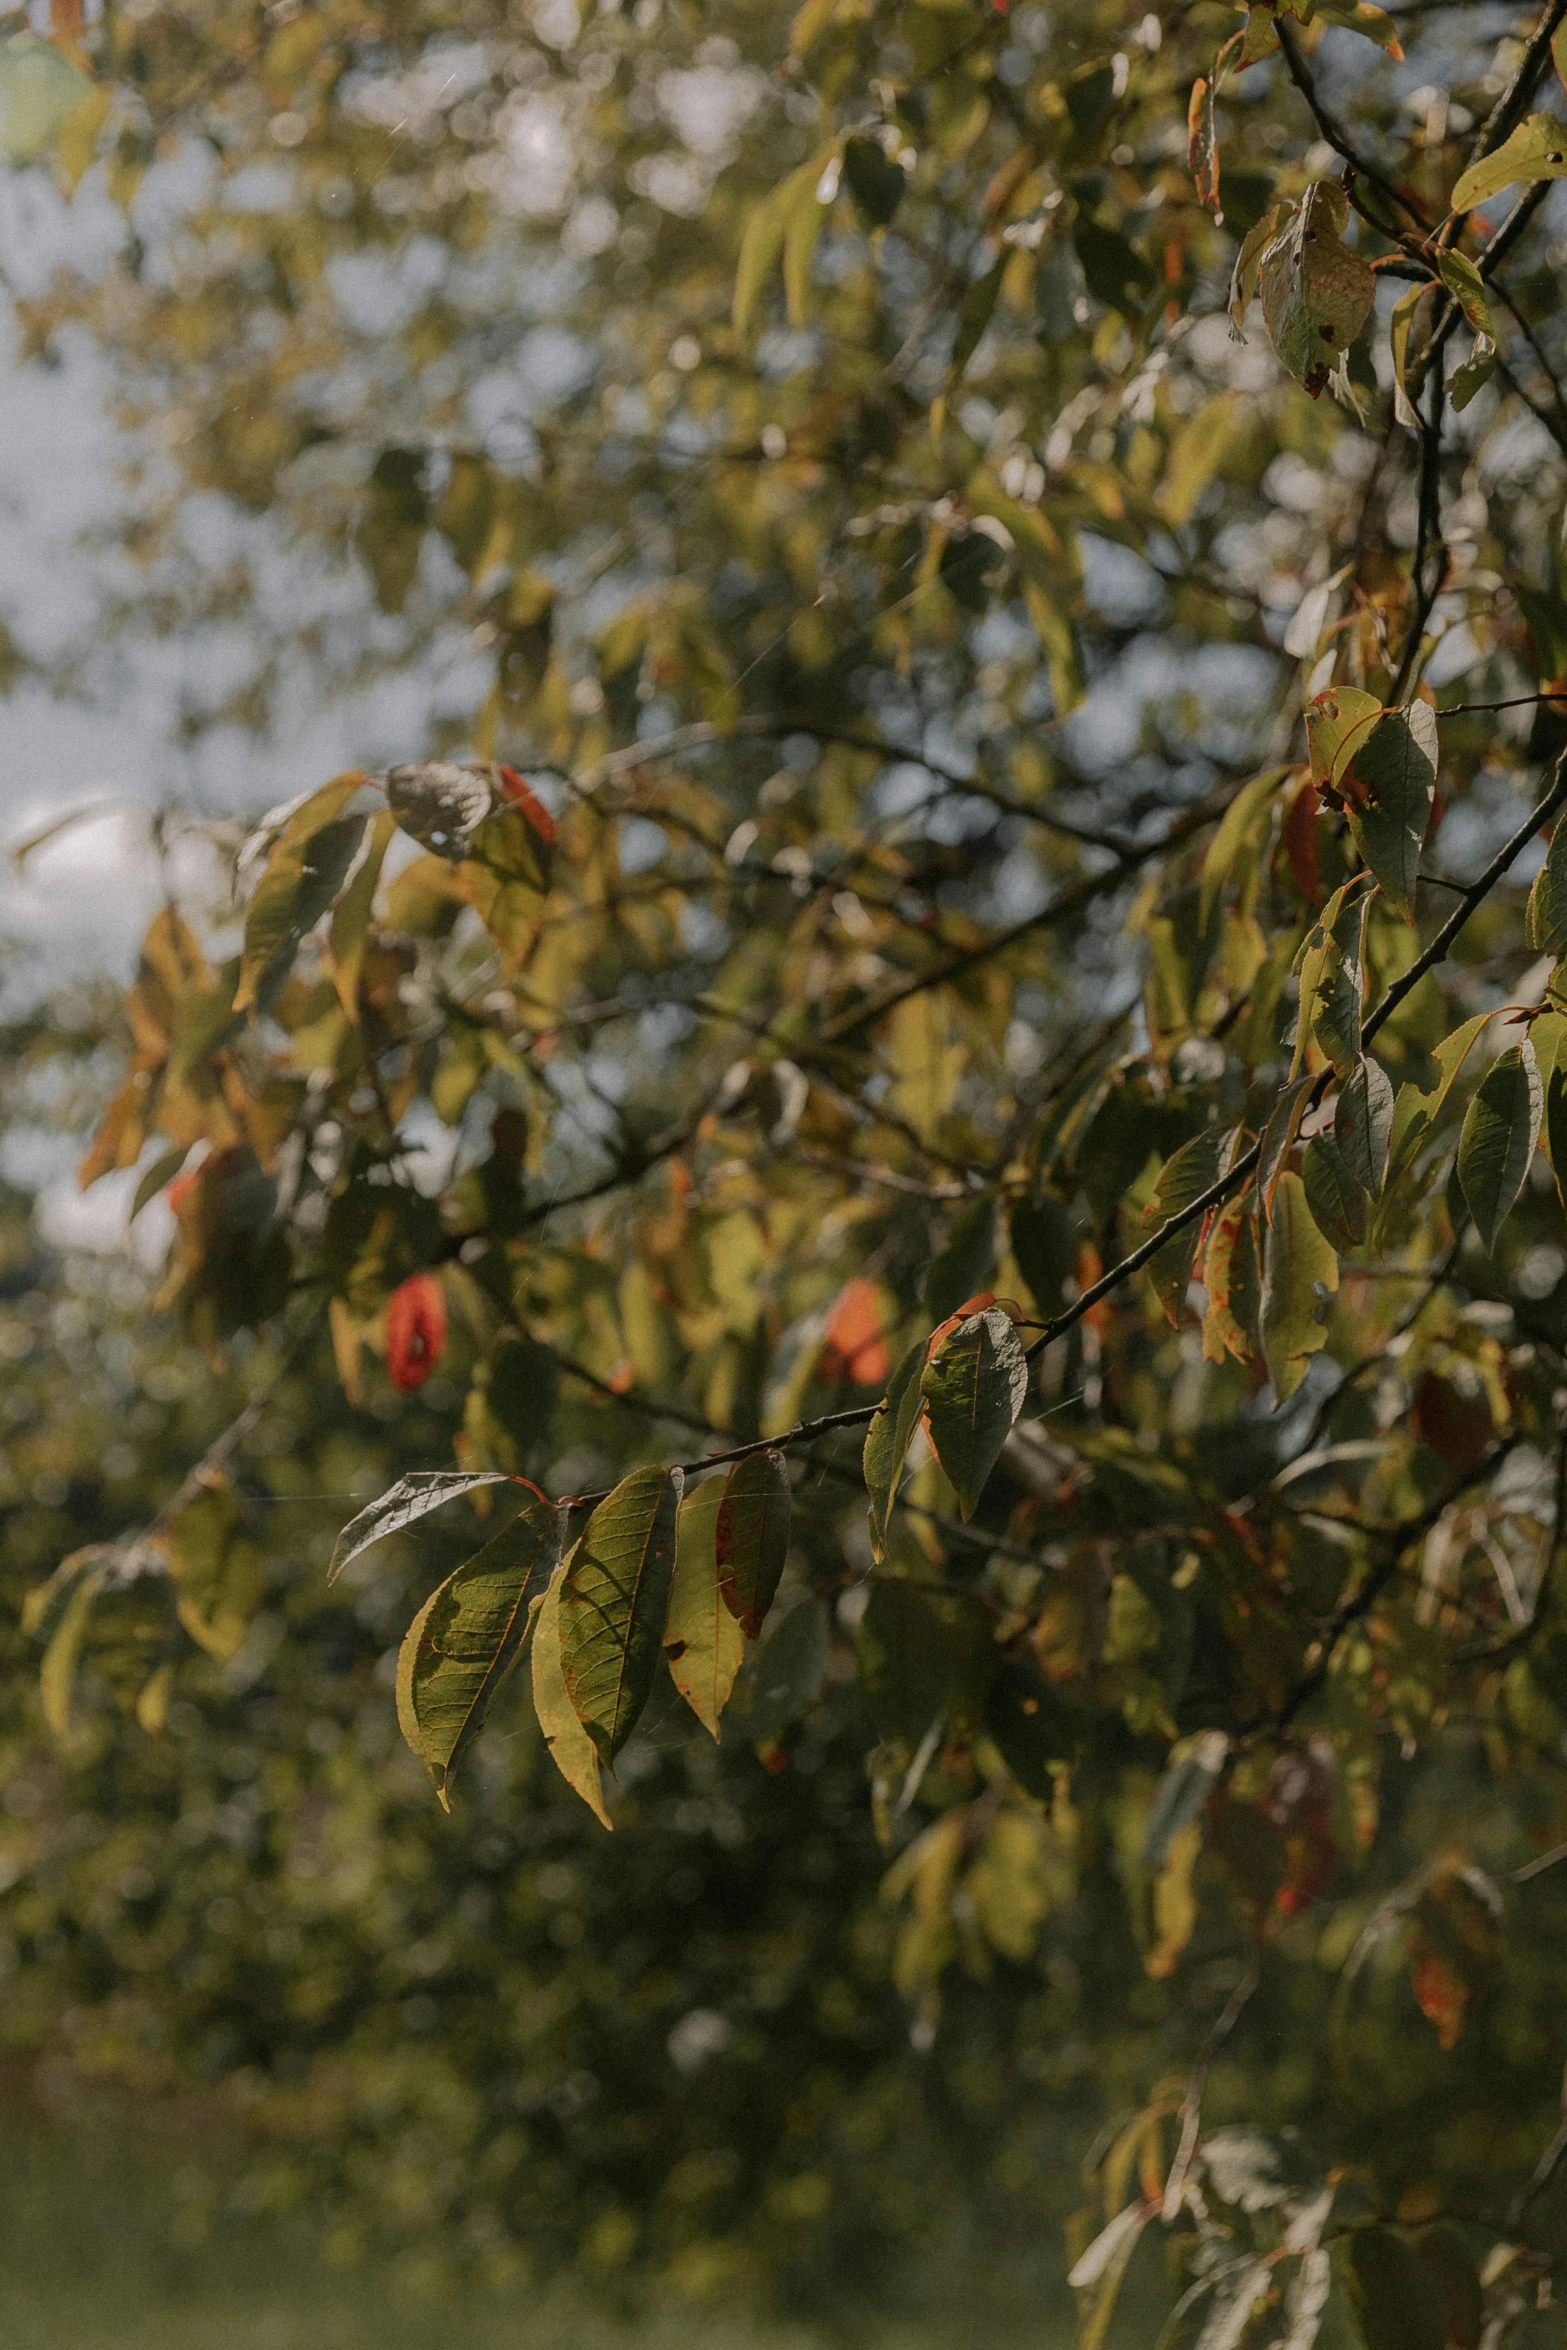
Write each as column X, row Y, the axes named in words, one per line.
column 466, row 1639
column 1299, row 1279
column 571, row 1749
column 703, row 1644
column 1545, row 924
column 1537, row 150
column 614, row 1604
column 1316, row 293
column 298, row 883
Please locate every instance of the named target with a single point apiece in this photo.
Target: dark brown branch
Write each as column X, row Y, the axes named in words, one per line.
column 1333, row 130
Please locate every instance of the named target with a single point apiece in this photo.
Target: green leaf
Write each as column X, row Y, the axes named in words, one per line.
column 1044, row 1243
column 786, row 1671
column 922, row 1655
column 769, row 226
column 1445, row 2253
column 704, row 1647
column 571, row 1749
column 1193, row 1170
column 1316, row 293
column 1241, row 831
column 1397, row 764
column 1337, row 722
column 976, row 311
column 351, row 915
column 753, row 1537
column 468, row 1636
column 57, row 1612
column 1397, row 2299
column 298, row 883
column 1363, row 1124
column 874, row 181
column 1299, row 1276
column 1545, row 924
column 614, row 1604
column 887, row 1441
column 1336, row 1200
column 1279, row 1134
column 973, row 1393
column 163, row 1170
column 1190, row 1777
column 39, row 90
column 1537, row 150
column 1332, row 980
column 1464, row 281
column 411, row 1498
column 1500, row 1131
column 1360, row 16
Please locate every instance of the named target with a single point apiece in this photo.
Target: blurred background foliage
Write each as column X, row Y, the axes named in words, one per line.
column 842, row 399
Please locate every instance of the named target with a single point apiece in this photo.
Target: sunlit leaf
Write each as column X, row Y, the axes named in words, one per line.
column 571, row 1750
column 1299, row 1279
column 614, row 1604
column 704, row 1646
column 1536, row 150
column 297, row 885
column 468, row 1636
column 1316, row 293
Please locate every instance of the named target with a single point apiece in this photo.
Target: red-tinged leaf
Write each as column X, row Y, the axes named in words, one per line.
column 753, row 1537
column 615, row 1602
column 853, row 1347
column 415, row 1330
column 522, row 795
column 1300, row 841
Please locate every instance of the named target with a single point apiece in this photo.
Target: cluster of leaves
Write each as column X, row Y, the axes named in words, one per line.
column 980, row 787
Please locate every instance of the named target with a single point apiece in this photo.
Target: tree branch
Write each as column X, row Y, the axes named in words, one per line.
column 1333, row 130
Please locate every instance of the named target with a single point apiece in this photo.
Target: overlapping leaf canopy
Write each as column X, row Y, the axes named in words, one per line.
column 985, row 869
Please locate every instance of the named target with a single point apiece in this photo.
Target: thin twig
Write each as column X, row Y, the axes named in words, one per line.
column 1197, row 2082
column 1333, row 130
